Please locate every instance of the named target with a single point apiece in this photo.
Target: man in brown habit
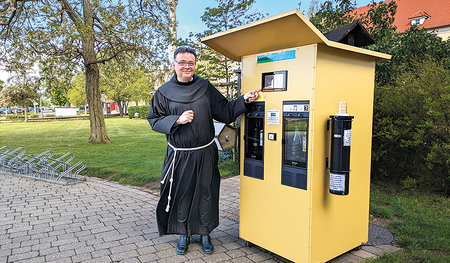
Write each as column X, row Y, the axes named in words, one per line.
column 184, row 109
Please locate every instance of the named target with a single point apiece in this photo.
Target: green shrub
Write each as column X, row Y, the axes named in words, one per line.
column 411, row 138
column 50, row 115
column 142, row 110
column 409, row 183
column 13, row 117
column 34, row 115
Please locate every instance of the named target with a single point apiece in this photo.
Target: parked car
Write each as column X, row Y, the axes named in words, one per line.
column 9, row 110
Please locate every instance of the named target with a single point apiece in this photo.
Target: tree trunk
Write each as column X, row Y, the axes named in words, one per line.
column 124, row 108
column 230, row 95
column 94, row 99
column 93, row 95
column 26, row 109
column 119, row 104
column 173, row 27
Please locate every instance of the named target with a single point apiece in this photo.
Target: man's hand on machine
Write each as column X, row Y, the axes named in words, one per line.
column 251, row 95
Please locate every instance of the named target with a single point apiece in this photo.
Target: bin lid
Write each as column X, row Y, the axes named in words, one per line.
column 286, row 30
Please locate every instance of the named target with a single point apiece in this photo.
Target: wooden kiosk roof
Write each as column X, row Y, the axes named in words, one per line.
column 286, row 30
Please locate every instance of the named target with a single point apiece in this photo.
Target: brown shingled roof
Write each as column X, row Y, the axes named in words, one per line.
column 437, row 10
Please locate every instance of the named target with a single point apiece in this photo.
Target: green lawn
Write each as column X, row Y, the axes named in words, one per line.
column 419, row 220
column 134, row 157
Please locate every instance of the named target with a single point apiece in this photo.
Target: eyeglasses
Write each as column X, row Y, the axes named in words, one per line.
column 183, row 63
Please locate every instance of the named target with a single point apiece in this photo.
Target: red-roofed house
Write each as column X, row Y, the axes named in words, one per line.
column 433, row 15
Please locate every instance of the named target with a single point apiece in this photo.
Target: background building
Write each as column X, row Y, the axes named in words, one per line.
column 433, row 15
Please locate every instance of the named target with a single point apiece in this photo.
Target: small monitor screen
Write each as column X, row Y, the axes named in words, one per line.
column 274, row 81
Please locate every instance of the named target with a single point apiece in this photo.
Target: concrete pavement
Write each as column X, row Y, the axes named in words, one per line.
column 100, row 221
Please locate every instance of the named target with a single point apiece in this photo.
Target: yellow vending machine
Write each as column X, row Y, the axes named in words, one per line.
column 306, row 142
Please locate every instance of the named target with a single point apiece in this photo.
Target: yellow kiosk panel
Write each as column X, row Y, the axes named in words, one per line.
column 290, row 204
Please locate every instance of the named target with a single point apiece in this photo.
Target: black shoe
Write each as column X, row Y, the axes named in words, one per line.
column 183, row 244
column 207, row 246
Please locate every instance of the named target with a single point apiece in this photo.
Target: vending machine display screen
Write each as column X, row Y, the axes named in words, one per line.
column 295, row 134
column 295, row 144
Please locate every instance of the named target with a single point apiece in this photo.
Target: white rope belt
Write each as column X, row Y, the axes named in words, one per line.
column 172, row 167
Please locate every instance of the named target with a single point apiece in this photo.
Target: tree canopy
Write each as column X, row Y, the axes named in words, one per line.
column 123, row 81
column 22, row 92
column 76, row 95
column 84, row 33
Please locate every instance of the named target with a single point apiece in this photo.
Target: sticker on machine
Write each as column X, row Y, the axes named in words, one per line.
column 347, row 137
column 273, row 117
column 337, row 182
column 296, row 107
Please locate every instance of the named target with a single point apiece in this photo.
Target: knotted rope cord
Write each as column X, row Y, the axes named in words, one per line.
column 172, row 167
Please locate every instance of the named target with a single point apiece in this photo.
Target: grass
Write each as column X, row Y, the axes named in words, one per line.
column 228, row 168
column 135, row 155
column 419, row 220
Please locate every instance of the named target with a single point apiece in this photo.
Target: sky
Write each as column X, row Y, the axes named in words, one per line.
column 190, row 11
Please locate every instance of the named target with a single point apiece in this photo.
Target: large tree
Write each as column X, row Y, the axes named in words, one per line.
column 22, row 92
column 123, row 81
column 86, row 32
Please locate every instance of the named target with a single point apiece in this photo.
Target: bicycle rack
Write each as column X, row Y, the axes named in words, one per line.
column 42, row 167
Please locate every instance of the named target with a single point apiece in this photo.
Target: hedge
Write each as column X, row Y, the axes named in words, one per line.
column 21, row 116
column 142, row 110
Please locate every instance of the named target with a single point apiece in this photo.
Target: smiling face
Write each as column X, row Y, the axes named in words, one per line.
column 184, row 73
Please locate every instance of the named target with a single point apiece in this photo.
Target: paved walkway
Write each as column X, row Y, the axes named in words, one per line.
column 100, row 221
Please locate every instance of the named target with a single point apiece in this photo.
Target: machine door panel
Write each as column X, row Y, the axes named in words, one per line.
column 295, row 144
column 254, row 140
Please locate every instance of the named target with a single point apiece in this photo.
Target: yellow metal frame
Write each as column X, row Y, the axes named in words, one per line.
column 309, row 225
